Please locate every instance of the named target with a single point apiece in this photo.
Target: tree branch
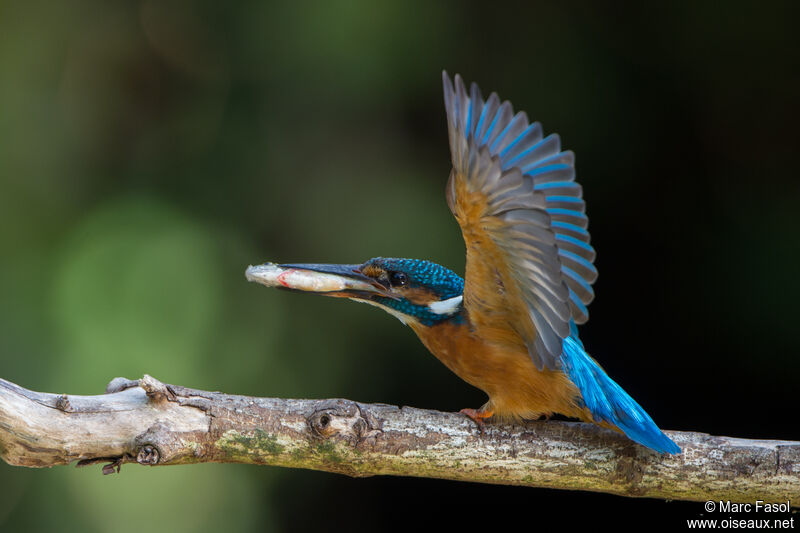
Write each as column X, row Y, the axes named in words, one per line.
column 148, row 422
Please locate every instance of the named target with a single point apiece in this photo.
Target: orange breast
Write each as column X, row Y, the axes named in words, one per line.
column 516, row 388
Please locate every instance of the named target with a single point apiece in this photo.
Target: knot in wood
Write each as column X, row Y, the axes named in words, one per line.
column 62, row 403
column 341, row 419
column 148, row 455
column 160, row 444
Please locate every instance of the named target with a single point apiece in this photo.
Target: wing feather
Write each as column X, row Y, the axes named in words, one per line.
column 514, row 194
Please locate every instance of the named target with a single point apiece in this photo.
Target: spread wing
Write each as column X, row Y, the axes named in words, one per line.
column 529, row 262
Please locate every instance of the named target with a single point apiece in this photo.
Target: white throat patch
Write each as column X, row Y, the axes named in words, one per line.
column 397, row 314
column 447, row 307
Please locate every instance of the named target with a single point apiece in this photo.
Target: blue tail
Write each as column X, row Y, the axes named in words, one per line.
column 607, row 401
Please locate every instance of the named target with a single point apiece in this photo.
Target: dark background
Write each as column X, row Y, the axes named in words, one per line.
column 150, row 151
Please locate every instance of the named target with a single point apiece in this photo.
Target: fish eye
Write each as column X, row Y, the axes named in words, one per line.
column 398, row 279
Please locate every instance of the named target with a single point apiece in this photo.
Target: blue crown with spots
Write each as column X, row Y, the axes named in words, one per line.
column 443, row 281
column 423, row 274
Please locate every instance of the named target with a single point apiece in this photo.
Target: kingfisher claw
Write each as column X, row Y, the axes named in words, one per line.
column 477, row 416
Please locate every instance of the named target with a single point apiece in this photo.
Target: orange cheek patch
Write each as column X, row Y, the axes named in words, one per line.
column 416, row 295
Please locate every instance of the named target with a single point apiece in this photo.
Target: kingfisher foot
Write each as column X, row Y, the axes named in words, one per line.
column 477, row 416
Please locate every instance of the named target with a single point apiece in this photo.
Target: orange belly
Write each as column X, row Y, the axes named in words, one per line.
column 516, row 388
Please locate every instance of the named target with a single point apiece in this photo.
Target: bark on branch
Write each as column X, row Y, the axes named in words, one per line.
column 150, row 423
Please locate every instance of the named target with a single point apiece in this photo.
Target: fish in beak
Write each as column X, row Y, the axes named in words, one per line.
column 344, row 281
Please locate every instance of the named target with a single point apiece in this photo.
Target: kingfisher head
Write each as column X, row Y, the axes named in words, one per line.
column 413, row 290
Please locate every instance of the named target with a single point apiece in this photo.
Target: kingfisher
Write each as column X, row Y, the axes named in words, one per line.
column 510, row 326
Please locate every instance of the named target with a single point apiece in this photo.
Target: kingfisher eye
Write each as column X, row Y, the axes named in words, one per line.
column 398, row 279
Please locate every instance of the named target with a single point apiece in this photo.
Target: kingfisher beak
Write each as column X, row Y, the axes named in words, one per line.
column 344, row 281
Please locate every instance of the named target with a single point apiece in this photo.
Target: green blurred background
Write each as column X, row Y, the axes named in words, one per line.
column 150, row 151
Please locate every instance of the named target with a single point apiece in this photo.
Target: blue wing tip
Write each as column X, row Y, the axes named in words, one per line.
column 671, row 447
column 608, row 402
column 655, row 439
